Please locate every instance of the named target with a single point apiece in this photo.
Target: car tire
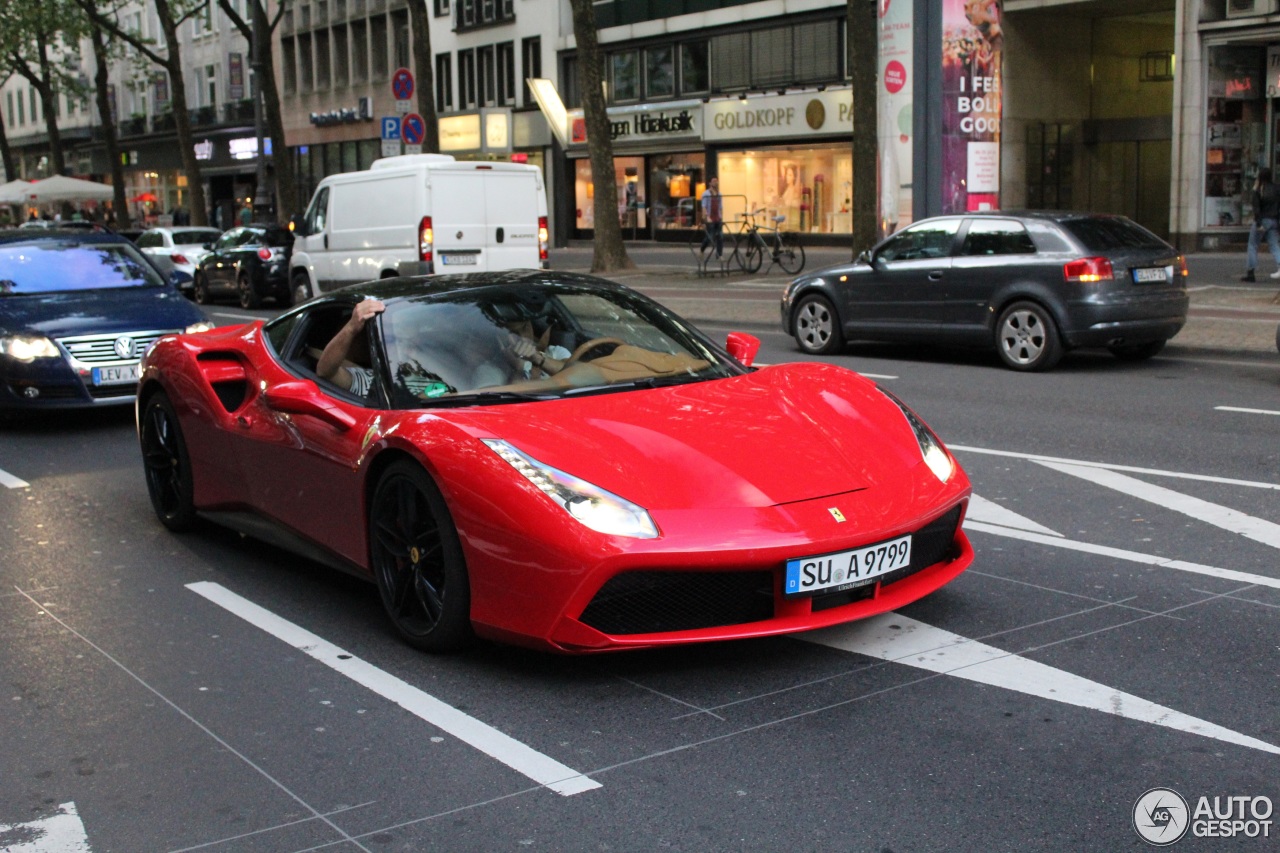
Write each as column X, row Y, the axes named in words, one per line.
column 200, row 289
column 301, row 285
column 417, row 561
column 1027, row 338
column 816, row 326
column 167, row 464
column 1137, row 352
column 249, row 298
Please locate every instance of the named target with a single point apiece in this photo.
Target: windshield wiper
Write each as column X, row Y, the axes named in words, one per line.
column 481, row 398
column 633, row 384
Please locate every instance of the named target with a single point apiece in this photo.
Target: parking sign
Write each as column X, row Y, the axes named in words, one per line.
column 390, row 128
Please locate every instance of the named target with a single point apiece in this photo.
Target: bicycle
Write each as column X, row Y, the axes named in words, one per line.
column 782, row 247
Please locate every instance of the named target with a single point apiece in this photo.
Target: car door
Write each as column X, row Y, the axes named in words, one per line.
column 994, row 254
column 894, row 296
column 219, row 265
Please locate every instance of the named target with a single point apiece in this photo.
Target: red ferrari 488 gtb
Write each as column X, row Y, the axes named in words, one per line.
column 552, row 460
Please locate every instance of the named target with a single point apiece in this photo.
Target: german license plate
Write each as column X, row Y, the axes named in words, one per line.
column 1144, row 275
column 846, row 569
column 457, row 260
column 115, row 375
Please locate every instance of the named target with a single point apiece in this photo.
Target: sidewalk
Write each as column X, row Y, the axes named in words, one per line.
column 1227, row 317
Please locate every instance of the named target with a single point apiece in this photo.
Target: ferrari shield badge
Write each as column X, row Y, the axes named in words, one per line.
column 836, row 513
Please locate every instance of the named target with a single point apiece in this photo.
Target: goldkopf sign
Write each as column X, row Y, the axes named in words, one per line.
column 794, row 116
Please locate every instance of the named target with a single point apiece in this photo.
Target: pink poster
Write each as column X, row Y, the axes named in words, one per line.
column 972, row 42
column 895, row 104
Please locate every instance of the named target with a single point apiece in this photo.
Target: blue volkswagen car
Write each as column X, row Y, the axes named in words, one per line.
column 78, row 310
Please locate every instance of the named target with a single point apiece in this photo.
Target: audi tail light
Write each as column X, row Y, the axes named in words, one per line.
column 426, row 240
column 1088, row 269
column 542, row 238
column 1180, row 267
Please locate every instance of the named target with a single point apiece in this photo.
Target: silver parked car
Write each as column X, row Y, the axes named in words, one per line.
column 178, row 249
column 1032, row 284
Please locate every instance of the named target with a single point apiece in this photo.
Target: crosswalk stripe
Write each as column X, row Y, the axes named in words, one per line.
column 1257, row 529
column 981, row 509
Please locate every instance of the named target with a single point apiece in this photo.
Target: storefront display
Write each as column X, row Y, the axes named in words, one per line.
column 811, row 187
column 1235, row 134
column 659, row 192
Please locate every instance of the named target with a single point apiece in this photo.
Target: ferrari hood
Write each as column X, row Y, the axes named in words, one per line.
column 776, row 436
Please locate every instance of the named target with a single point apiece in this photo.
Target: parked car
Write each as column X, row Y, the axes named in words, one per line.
column 178, row 249
column 649, row 488
column 1031, row 284
column 77, row 312
column 66, row 225
column 417, row 214
column 250, row 262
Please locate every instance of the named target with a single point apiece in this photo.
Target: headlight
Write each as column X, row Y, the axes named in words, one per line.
column 202, row 326
column 935, row 456
column 594, row 507
column 28, row 348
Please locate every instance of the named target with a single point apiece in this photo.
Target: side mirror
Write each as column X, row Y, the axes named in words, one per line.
column 303, row 398
column 864, row 257
column 743, row 347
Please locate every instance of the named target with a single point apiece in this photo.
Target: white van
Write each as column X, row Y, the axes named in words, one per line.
column 418, row 214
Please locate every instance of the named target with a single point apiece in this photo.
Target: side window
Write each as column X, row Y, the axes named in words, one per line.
column 148, row 241
column 997, row 237
column 925, row 240
column 278, row 332
column 321, row 325
column 318, row 213
column 249, row 237
column 228, row 240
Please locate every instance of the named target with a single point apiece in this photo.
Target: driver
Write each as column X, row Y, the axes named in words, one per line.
column 337, row 362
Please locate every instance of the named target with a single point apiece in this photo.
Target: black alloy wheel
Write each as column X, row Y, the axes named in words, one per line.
column 417, row 561
column 1137, row 352
column 249, row 298
column 168, row 467
column 200, row 289
column 1027, row 338
column 816, row 327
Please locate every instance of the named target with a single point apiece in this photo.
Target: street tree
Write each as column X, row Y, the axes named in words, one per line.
column 287, row 201
column 102, row 55
column 424, row 75
column 171, row 14
column 610, row 252
column 6, row 153
column 864, row 39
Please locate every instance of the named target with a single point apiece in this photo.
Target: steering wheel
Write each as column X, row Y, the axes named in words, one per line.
column 580, row 353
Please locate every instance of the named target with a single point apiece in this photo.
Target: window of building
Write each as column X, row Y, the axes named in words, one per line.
column 202, row 20
column 341, row 57
column 624, row 76
column 359, row 51
column 531, row 62
column 289, row 65
column 210, row 86
column 506, row 74
column 444, row 82
column 22, row 114
column 572, row 87
column 441, row 8
column 817, row 52
column 466, row 14
column 9, row 100
column 400, row 27
column 322, row 59
column 693, row 68
column 488, row 76
column 35, row 116
column 660, row 72
column 306, row 71
column 466, row 79
column 480, row 13
column 378, row 47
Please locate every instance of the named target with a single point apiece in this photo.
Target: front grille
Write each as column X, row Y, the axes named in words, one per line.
column 47, row 392
column 656, row 601
column 101, row 349
column 105, row 392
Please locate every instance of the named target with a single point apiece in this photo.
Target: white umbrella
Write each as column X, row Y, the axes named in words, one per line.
column 62, row 188
column 14, row 192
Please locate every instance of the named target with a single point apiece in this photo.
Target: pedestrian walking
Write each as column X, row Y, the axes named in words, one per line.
column 1266, row 223
column 713, row 218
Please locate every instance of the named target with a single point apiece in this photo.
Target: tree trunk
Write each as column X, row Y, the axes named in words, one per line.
column 864, row 39
column 182, row 118
column 49, row 103
column 120, row 203
column 6, row 153
column 424, row 74
column 610, row 252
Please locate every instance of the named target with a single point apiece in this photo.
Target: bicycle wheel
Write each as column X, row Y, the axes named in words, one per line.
column 753, row 258
column 790, row 255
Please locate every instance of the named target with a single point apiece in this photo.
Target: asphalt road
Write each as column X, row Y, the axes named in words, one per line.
column 1117, row 633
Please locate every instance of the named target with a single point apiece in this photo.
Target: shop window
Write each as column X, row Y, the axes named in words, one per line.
column 1050, row 158
column 444, row 82
column 506, row 74
column 693, row 68
column 1236, row 133
column 675, row 183
column 659, row 78
column 624, row 76
column 810, row 187
column 531, row 61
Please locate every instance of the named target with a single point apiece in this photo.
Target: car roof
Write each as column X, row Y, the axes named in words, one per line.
column 1047, row 215
column 42, row 235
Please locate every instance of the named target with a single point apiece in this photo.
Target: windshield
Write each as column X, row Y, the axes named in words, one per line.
column 507, row 343
column 1103, row 233
column 54, row 266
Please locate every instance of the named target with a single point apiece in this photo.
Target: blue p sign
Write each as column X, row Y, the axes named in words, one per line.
column 390, row 127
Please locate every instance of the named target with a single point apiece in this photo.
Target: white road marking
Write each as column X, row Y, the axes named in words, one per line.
column 876, row 375
column 1257, row 529
column 1121, row 554
column 896, row 638
column 1035, row 457
column 523, row 759
column 11, row 482
column 61, row 832
column 989, row 512
column 1246, row 411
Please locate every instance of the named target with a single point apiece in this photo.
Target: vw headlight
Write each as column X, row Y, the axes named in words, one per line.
column 591, row 505
column 27, row 348
column 935, row 456
column 202, row 326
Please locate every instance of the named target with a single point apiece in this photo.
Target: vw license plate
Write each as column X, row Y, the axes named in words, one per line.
column 1144, row 275
column 846, row 569
column 453, row 260
column 115, row 375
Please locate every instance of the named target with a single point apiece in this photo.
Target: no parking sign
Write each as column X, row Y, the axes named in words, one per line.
column 413, row 129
